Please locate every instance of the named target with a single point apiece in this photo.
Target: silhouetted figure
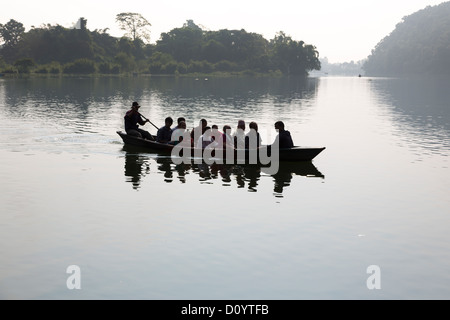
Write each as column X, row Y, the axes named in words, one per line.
column 227, row 139
column 179, row 120
column 198, row 131
column 253, row 138
column 165, row 133
column 239, row 135
column 206, row 139
column 284, row 137
column 178, row 134
column 132, row 121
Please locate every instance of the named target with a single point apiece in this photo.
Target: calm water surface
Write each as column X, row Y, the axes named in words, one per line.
column 140, row 227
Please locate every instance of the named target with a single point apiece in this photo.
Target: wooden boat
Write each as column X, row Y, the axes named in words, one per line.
column 291, row 154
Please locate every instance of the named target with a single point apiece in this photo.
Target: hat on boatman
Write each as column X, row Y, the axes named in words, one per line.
column 135, row 104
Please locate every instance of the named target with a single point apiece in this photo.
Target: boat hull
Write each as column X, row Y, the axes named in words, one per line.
column 291, row 154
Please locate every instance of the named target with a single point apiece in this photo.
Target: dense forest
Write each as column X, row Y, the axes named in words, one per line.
column 420, row 44
column 53, row 49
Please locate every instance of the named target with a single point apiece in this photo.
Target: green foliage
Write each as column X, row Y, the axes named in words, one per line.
column 184, row 50
column 108, row 68
column 230, row 50
column 200, row 67
column 11, row 32
column 169, row 68
column 420, row 44
column 2, row 62
column 126, row 62
column 292, row 57
column 55, row 43
column 183, row 44
column 226, row 66
column 24, row 65
column 55, row 70
column 53, row 67
column 213, row 50
column 182, row 68
column 135, row 25
column 162, row 58
column 9, row 70
column 80, row 66
column 41, row 70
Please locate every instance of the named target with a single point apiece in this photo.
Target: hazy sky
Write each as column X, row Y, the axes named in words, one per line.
column 342, row 30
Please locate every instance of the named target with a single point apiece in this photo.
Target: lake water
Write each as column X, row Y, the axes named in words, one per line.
column 369, row 218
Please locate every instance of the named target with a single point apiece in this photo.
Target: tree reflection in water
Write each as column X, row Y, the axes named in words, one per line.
column 137, row 166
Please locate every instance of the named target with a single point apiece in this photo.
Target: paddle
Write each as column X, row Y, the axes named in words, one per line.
column 148, row 121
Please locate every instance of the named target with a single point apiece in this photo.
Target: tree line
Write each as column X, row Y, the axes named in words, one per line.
column 53, row 49
column 420, row 44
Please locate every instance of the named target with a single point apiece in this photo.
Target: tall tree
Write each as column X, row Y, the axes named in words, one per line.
column 294, row 57
column 184, row 44
column 24, row 65
column 135, row 25
column 11, row 32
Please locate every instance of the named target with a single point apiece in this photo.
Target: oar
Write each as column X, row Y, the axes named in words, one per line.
column 148, row 121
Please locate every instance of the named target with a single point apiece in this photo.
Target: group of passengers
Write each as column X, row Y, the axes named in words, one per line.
column 203, row 135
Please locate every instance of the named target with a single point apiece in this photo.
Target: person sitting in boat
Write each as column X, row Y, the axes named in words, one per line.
column 178, row 133
column 284, row 137
column 239, row 135
column 132, row 121
column 199, row 130
column 227, row 139
column 206, row 140
column 253, row 138
column 179, row 120
column 164, row 134
column 216, row 135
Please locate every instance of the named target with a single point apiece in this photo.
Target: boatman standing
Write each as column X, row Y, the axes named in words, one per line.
column 132, row 121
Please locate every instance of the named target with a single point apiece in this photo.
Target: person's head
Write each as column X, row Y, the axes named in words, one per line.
column 203, row 125
column 253, row 125
column 215, row 131
column 169, row 121
column 207, row 131
column 135, row 106
column 182, row 125
column 226, row 129
column 279, row 125
column 181, row 119
column 241, row 124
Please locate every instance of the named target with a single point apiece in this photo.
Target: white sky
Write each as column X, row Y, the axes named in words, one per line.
column 342, row 30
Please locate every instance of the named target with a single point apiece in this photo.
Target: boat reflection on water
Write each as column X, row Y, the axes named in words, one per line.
column 137, row 166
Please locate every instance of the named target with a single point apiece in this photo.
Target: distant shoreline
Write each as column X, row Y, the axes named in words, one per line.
column 144, row 75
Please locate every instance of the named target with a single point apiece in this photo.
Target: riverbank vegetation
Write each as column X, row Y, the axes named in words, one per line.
column 56, row 50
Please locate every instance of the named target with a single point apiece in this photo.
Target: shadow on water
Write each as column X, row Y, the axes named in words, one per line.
column 138, row 167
